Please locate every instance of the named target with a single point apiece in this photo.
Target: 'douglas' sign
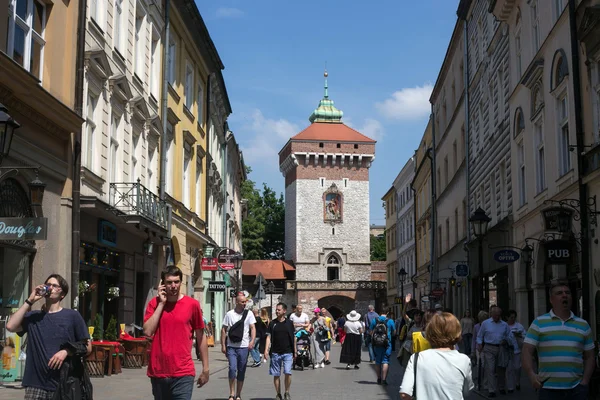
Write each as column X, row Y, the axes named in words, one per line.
column 23, row 228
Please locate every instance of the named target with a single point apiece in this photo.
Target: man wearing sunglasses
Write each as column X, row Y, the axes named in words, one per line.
column 48, row 331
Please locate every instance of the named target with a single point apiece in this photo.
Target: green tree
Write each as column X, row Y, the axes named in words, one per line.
column 378, row 252
column 274, row 207
column 253, row 226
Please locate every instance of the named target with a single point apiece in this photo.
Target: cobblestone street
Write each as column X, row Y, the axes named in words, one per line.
column 333, row 382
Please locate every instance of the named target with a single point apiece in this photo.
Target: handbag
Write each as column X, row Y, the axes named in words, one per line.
column 414, row 394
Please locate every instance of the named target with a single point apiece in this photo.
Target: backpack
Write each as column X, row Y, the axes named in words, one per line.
column 236, row 332
column 380, row 337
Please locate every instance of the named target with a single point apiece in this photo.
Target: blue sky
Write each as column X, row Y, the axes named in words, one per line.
column 382, row 62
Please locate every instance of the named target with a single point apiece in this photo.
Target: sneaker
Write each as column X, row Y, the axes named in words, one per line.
column 327, row 362
column 356, row 367
column 322, row 365
column 264, row 360
column 287, row 396
column 278, row 397
column 379, row 381
column 315, row 366
column 256, row 364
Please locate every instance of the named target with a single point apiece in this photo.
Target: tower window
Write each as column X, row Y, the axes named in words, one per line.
column 356, row 146
column 321, row 144
column 333, row 273
column 333, row 231
column 322, row 181
column 345, row 182
column 338, row 145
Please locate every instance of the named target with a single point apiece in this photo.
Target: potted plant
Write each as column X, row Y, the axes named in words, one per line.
column 111, row 330
column 98, row 331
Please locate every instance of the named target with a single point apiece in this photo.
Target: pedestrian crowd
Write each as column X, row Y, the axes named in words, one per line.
column 557, row 352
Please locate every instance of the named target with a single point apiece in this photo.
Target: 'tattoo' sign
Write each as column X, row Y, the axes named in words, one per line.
column 559, row 251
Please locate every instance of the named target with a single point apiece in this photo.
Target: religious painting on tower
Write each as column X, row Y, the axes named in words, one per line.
column 332, row 200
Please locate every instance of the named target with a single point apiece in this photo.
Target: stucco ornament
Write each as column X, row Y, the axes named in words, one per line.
column 332, row 205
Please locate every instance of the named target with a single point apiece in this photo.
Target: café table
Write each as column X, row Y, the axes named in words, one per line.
column 114, row 359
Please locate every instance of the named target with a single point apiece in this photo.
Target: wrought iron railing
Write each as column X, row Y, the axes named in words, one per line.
column 136, row 199
column 336, row 285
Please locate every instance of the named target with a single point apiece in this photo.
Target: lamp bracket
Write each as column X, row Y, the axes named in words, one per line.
column 575, row 204
column 15, row 170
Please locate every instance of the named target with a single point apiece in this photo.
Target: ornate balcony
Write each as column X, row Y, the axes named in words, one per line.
column 134, row 199
column 335, row 285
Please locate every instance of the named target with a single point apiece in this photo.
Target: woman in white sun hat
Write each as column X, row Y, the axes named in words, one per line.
column 352, row 343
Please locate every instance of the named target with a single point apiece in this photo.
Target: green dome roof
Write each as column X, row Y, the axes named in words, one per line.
column 326, row 111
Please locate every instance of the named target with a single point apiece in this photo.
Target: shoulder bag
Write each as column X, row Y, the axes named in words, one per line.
column 236, row 332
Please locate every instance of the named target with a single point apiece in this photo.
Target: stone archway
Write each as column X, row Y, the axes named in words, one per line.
column 337, row 305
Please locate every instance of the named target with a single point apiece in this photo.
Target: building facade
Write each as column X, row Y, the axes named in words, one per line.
column 391, row 244
column 326, row 170
column 448, row 99
column 422, row 189
column 38, row 64
column 122, row 217
column 405, row 231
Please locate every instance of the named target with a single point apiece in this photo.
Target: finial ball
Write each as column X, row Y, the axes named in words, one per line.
column 325, row 74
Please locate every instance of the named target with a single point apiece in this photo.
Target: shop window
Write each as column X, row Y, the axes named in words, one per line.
column 99, row 257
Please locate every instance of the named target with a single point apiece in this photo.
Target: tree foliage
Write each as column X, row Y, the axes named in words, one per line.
column 263, row 228
column 378, row 251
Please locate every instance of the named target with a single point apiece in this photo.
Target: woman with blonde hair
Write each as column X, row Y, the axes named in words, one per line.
column 440, row 372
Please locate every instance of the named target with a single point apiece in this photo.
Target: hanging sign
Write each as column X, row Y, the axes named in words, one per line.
column 23, row 228
column 557, row 219
column 462, row 270
column 224, row 259
column 506, row 256
column 209, row 264
column 437, row 292
column 216, row 286
column 559, row 251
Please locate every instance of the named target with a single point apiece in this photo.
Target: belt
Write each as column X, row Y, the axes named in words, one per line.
column 491, row 344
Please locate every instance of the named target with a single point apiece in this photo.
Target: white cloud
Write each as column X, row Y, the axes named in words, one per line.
column 266, row 137
column 229, row 12
column 407, row 103
column 370, row 127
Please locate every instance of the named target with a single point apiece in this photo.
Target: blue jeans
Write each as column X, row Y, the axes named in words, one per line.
column 172, row 388
column 238, row 359
column 467, row 340
column 369, row 346
column 579, row 392
column 255, row 353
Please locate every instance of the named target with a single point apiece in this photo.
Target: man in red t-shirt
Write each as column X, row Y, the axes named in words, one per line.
column 173, row 318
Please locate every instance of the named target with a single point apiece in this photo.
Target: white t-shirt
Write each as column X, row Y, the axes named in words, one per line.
column 231, row 318
column 441, row 374
column 302, row 319
column 353, row 327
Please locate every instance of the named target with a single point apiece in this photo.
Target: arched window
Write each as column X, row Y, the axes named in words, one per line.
column 519, row 122
column 560, row 68
column 333, row 268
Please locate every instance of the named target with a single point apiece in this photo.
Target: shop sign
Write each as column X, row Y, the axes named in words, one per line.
column 10, row 358
column 216, row 286
column 462, row 270
column 397, row 300
column 437, row 292
column 506, row 256
column 209, row 264
column 425, row 299
column 23, row 228
column 557, row 219
column 559, row 251
column 107, row 233
column 224, row 259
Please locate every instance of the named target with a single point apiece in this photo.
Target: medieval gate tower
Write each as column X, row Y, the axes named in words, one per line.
column 326, row 170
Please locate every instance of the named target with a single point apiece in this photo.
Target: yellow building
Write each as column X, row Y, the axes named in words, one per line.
column 422, row 187
column 389, row 203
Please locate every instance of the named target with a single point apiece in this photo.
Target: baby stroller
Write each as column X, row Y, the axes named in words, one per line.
column 304, row 358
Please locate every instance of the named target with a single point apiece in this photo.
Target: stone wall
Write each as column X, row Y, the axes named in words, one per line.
column 318, row 272
column 290, row 222
column 313, row 235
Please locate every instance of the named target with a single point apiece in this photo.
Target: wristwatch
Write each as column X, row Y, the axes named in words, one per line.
column 29, row 302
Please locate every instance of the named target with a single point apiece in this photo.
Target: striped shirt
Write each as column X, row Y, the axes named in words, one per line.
column 560, row 345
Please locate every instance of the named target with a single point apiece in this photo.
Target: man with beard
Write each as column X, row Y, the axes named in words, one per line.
column 565, row 348
column 173, row 318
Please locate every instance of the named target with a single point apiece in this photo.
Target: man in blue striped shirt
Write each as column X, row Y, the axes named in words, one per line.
column 565, row 350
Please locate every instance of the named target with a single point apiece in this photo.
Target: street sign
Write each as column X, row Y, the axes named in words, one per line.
column 260, row 279
column 462, row 270
column 438, row 292
column 216, row 286
column 224, row 259
column 233, row 293
column 425, row 299
column 506, row 256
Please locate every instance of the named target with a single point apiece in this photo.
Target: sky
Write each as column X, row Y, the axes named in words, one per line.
column 382, row 62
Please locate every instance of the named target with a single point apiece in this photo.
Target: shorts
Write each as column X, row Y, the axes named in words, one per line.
column 277, row 360
column 327, row 345
column 32, row 393
column 382, row 354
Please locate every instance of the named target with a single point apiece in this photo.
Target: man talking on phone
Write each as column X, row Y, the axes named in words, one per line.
column 172, row 318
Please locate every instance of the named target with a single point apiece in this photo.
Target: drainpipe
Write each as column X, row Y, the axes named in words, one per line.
column 76, row 184
column 165, row 104
column 580, row 141
column 224, row 173
column 466, row 149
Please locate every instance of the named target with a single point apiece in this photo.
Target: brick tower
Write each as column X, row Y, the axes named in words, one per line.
column 326, row 170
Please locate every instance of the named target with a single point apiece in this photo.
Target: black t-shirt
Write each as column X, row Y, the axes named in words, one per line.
column 46, row 332
column 282, row 336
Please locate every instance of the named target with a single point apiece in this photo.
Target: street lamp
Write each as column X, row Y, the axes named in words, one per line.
column 402, row 278
column 7, row 129
column 527, row 252
column 238, row 260
column 479, row 223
